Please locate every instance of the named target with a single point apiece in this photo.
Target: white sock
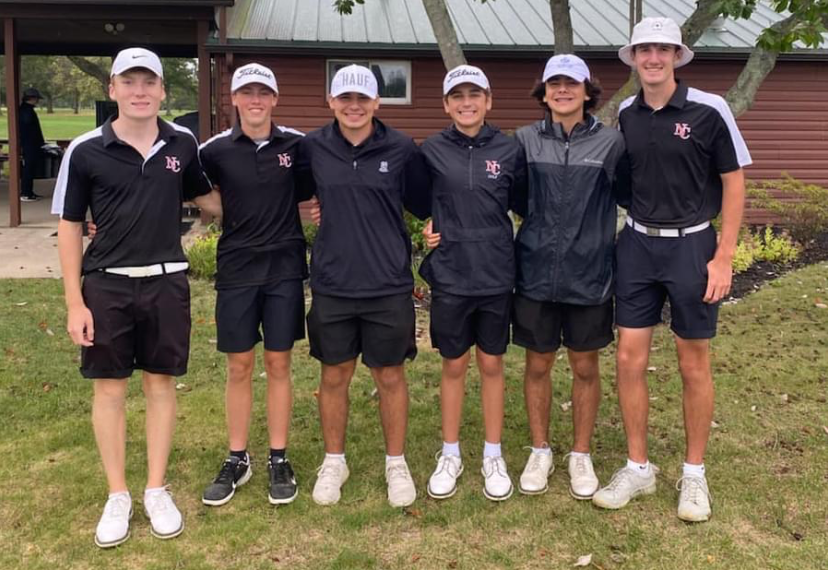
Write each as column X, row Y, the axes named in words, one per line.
column 578, row 454
column 451, row 448
column 690, row 470
column 543, row 450
column 389, row 458
column 643, row 469
column 119, row 493
column 335, row 456
column 491, row 449
column 151, row 490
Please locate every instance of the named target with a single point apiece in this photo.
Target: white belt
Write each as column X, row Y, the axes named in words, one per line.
column 148, row 270
column 666, row 232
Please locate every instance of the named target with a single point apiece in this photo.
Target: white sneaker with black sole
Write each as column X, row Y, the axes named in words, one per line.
column 113, row 528
column 165, row 518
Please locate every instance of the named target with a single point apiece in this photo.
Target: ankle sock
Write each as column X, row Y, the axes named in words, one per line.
column 491, row 449
column 240, row 454
column 389, row 458
column 338, row 456
column 690, row 470
column 578, row 454
column 642, row 469
column 451, row 448
column 543, row 449
column 277, row 455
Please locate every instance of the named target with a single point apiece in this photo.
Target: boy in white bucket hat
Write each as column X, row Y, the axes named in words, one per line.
column 686, row 156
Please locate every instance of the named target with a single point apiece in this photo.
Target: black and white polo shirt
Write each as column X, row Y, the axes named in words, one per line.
column 677, row 155
column 135, row 202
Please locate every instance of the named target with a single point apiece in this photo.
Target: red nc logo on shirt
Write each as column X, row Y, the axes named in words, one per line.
column 173, row 163
column 493, row 168
column 682, row 131
column 284, row 160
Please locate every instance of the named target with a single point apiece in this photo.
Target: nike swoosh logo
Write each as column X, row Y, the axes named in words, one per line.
column 137, row 56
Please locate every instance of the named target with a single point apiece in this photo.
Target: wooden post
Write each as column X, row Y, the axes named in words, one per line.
column 204, row 94
column 13, row 102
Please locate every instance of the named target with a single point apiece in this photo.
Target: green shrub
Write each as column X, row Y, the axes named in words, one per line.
column 202, row 254
column 805, row 216
column 415, row 230
column 776, row 248
column 745, row 254
column 310, row 231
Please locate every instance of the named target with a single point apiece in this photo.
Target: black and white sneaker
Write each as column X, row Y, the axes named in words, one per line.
column 283, row 489
column 234, row 473
column 32, row 198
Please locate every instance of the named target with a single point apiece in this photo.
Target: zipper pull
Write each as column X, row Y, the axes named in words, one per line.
column 355, row 164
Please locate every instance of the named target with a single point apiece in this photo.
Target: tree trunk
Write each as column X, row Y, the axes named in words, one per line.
column 445, row 33
column 705, row 13
column 50, row 104
column 760, row 63
column 76, row 102
column 93, row 70
column 562, row 26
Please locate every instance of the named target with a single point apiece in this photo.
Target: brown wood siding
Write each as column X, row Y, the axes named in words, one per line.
column 786, row 129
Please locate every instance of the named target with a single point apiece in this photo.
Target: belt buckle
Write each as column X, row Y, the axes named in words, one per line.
column 656, row 232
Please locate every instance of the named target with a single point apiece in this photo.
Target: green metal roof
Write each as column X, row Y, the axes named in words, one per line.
column 498, row 25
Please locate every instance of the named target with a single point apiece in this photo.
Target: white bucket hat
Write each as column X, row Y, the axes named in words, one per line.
column 656, row 31
column 253, row 73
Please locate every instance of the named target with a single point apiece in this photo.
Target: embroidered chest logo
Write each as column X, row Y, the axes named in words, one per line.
column 493, row 168
column 285, row 160
column 383, row 167
column 173, row 163
column 682, row 131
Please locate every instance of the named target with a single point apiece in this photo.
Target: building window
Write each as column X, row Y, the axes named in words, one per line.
column 393, row 78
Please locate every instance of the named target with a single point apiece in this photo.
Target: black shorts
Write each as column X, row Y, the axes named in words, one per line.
column 381, row 328
column 278, row 308
column 139, row 323
column 650, row 269
column 458, row 322
column 539, row 325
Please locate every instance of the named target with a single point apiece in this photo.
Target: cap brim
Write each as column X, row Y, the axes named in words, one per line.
column 466, row 82
column 576, row 76
column 252, row 82
column 625, row 54
column 133, row 68
column 355, row 90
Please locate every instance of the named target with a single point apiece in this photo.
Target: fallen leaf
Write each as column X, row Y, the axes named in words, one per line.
column 23, row 304
column 825, row 429
column 47, row 387
column 784, row 398
column 651, row 369
column 212, row 341
column 753, row 408
column 263, row 375
column 414, row 558
column 711, row 559
column 180, row 386
column 653, row 398
column 585, row 560
column 714, row 424
column 821, row 306
column 316, row 394
column 42, row 325
column 566, row 405
column 452, row 564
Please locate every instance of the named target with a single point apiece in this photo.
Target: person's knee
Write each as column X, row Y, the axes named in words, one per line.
column 336, row 377
column 389, row 378
column 584, row 367
column 277, row 365
column 539, row 367
column 158, row 387
column 240, row 367
column 110, row 391
column 694, row 360
column 490, row 366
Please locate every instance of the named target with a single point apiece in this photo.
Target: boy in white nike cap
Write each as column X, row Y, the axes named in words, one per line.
column 132, row 308
column 686, row 156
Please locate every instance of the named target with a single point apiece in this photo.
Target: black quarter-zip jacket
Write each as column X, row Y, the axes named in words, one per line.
column 362, row 249
column 566, row 243
column 474, row 182
column 260, row 184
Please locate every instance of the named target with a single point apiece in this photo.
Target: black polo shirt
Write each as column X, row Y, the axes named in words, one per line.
column 260, row 184
column 677, row 155
column 135, row 203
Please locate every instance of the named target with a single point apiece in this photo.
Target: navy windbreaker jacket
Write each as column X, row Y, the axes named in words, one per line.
column 566, row 243
column 362, row 249
column 474, row 182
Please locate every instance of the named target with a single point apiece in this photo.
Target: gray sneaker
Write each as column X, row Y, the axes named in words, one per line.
column 694, row 499
column 624, row 486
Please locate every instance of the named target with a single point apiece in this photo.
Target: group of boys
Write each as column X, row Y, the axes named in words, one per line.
column 675, row 163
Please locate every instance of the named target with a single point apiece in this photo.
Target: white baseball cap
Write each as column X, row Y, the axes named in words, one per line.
column 568, row 65
column 656, row 31
column 465, row 74
column 354, row 79
column 253, row 73
column 133, row 58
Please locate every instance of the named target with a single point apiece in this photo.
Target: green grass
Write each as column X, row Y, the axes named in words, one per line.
column 768, row 465
column 63, row 124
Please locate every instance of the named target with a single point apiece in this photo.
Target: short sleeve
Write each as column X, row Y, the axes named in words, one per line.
column 73, row 188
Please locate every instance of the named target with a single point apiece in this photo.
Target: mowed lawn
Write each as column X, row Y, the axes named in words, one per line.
column 63, row 124
column 768, row 459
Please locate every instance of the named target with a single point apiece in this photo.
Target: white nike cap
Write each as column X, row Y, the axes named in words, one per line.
column 133, row 58
column 568, row 65
column 465, row 74
column 354, row 79
column 253, row 73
